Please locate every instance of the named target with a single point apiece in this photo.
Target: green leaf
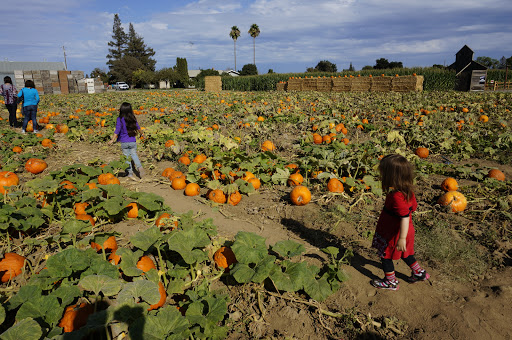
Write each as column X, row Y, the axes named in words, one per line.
column 113, row 189
column 167, row 322
column 64, row 263
column 149, row 201
column 317, row 289
column 244, row 273
column 114, row 205
column 27, row 329
column 74, row 227
column 66, row 294
column 2, row 314
column 331, row 251
column 129, row 261
column 292, row 278
column 145, row 239
column 101, row 283
column 185, row 243
column 288, row 248
column 249, row 247
column 45, row 307
column 146, row 290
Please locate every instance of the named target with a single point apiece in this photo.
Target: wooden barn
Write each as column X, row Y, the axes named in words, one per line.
column 471, row 76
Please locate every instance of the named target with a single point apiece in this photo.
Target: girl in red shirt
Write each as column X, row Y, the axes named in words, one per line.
column 394, row 235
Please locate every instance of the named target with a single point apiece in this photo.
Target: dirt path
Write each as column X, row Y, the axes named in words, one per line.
column 438, row 309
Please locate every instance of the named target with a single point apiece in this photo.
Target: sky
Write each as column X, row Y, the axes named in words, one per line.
column 294, row 34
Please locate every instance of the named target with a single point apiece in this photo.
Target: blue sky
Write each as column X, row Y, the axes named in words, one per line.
column 295, row 34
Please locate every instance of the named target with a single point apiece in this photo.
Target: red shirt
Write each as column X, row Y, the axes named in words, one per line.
column 387, row 232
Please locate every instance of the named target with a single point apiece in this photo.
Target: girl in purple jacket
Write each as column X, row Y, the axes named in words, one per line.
column 126, row 131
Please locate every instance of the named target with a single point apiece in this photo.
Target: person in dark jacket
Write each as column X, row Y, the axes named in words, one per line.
column 8, row 90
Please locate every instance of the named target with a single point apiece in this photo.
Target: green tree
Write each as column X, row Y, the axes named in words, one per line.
column 488, row 62
column 135, row 47
column 99, row 73
column 254, row 31
column 168, row 75
column 249, row 70
column 117, row 45
column 326, row 66
column 204, row 73
column 143, row 77
column 234, row 34
column 351, row 68
column 123, row 69
column 367, row 67
column 383, row 63
column 182, row 72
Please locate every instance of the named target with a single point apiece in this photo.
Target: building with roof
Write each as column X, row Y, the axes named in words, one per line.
column 470, row 74
column 7, row 68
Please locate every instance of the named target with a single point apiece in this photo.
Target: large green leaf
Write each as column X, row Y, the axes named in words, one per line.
column 114, row 205
column 27, row 329
column 244, row 273
column 66, row 294
column 46, row 307
column 129, row 261
column 144, row 289
column 64, row 263
column 288, row 248
column 167, row 323
column 75, row 227
column 249, row 247
column 186, row 242
column 292, row 278
column 317, row 289
column 149, row 201
column 101, row 283
column 215, row 308
column 145, row 239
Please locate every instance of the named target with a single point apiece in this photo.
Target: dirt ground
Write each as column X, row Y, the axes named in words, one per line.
column 438, row 309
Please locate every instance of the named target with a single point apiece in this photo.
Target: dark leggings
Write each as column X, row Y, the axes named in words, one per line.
column 387, row 264
column 12, row 114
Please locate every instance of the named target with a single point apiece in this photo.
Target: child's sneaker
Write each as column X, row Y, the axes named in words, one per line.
column 385, row 284
column 422, row 276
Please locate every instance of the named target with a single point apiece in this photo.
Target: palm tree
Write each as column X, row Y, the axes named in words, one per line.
column 234, row 34
column 254, row 31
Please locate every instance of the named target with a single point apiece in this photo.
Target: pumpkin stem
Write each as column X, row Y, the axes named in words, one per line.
column 162, row 264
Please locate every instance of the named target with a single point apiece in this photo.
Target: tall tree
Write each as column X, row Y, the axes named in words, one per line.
column 118, row 43
column 135, row 47
column 234, row 34
column 182, row 72
column 254, row 31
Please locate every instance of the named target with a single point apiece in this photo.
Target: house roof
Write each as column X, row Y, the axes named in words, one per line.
column 193, row 73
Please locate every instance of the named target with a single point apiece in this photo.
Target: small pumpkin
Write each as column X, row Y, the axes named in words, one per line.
column 102, row 179
column 268, row 146
column 75, row 316
column 17, row 149
column 167, row 172
column 145, row 263
column 496, row 174
column 114, row 258
column 8, row 179
column 300, row 195
column 422, row 152
column 163, row 297
column 449, row 184
column 133, row 210
column 234, row 198
column 179, row 183
column 164, row 220
column 86, row 217
column 47, row 143
column 79, row 208
column 256, row 183
column 217, row 196
column 192, row 189
column 184, row 160
column 110, row 244
column 35, row 165
column 169, row 143
column 61, row 128
column 317, row 138
column 454, row 199
column 199, row 158
column 11, row 266
column 295, row 179
column 335, row 185
column 224, row 257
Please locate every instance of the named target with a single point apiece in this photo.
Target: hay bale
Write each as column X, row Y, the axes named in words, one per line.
column 281, row 86
column 212, row 84
column 407, row 84
column 324, row 84
column 294, row 85
column 380, row 84
column 360, row 84
column 341, row 84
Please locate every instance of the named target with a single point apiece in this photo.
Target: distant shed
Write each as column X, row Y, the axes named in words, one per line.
column 467, row 69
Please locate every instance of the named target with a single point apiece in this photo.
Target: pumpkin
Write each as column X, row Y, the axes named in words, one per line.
column 184, row 160
column 199, row 158
column 248, row 175
column 192, row 189
column 110, row 244
column 335, row 185
column 268, row 146
column 163, row 297
column 102, row 179
column 76, row 316
column 295, row 179
column 46, row 143
column 145, row 263
column 113, row 180
column 176, row 174
column 133, row 210
column 300, row 195
column 7, row 179
column 179, row 183
column 17, row 149
column 165, row 219
column 483, row 118
column 79, row 208
column 234, row 198
column 169, row 143
column 91, row 185
column 317, row 138
column 86, row 217
column 454, row 199
column 449, row 184
column 224, row 257
column 35, row 165
column 61, row 128
column 66, row 184
column 11, row 266
column 256, row 183
column 422, row 152
column 114, row 258
column 496, row 174
column 217, row 196
column 167, row 172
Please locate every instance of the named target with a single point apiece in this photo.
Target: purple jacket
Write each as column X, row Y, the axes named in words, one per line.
column 9, row 93
column 122, row 133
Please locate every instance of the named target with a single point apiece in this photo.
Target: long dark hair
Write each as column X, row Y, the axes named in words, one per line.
column 7, row 80
column 126, row 112
column 396, row 172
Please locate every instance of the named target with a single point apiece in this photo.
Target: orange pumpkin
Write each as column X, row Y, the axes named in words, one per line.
column 256, row 183
column 268, row 146
column 454, row 199
column 35, row 165
column 483, row 118
column 11, row 266
column 145, row 263
column 234, row 198
column 133, row 210
column 449, row 184
column 192, row 189
column 496, row 174
column 7, row 179
column 179, row 183
column 80, row 207
column 114, row 258
column 199, row 158
column 110, row 244
column 164, row 220
column 300, row 195
column 17, row 149
column 295, row 179
column 167, row 172
column 335, row 185
column 76, row 316
column 46, row 143
column 61, row 128
column 163, row 297
column 184, row 160
column 169, row 143
column 217, row 196
column 86, row 217
column 317, row 138
column 102, row 179
column 224, row 257
column 422, row 152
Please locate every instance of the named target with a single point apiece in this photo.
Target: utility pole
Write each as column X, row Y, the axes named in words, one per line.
column 65, row 62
